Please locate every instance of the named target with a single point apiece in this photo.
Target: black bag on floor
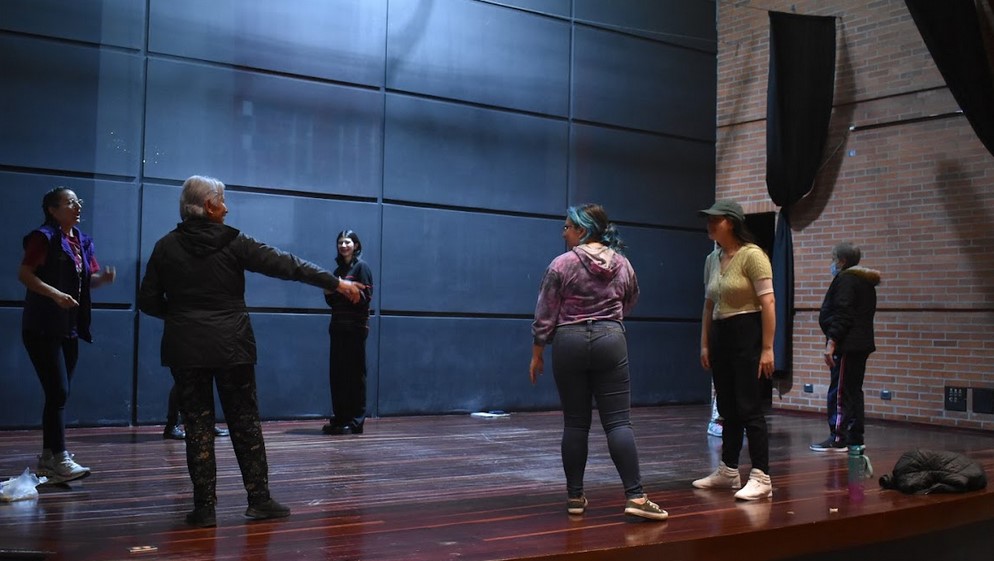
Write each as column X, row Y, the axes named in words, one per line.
column 921, row 472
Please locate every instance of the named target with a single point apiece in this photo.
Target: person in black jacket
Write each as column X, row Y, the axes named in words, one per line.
column 58, row 269
column 195, row 281
column 846, row 318
column 349, row 329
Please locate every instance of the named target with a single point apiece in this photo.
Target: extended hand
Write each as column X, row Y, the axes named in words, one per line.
column 351, row 290
column 106, row 276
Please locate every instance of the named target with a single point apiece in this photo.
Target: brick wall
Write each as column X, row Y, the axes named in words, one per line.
column 915, row 192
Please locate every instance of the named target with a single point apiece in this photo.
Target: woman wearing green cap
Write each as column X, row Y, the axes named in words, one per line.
column 737, row 327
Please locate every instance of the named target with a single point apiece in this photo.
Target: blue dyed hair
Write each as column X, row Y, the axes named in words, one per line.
column 593, row 218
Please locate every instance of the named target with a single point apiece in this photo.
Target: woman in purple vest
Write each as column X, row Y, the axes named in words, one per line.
column 59, row 268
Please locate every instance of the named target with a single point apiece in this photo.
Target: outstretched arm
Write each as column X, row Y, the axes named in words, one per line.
column 272, row 262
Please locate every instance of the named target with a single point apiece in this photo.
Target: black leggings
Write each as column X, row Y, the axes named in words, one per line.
column 56, row 379
column 172, row 407
column 735, row 345
column 590, row 361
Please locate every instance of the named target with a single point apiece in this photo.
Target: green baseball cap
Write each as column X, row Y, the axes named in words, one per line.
column 724, row 208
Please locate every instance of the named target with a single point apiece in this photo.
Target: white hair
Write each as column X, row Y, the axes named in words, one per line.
column 197, row 190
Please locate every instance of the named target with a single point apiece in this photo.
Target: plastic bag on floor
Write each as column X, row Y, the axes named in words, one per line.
column 21, row 487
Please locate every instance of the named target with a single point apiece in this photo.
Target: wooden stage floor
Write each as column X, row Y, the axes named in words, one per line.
column 460, row 488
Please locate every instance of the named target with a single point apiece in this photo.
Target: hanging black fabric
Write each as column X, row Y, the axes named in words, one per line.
column 951, row 30
column 799, row 106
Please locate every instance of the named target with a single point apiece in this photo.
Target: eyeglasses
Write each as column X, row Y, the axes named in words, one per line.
column 74, row 203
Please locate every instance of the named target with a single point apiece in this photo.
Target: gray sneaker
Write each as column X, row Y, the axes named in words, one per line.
column 576, row 505
column 60, row 467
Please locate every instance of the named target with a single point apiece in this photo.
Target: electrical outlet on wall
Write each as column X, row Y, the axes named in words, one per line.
column 983, row 400
column 955, row 398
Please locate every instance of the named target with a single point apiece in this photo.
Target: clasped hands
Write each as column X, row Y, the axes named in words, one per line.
column 350, row 289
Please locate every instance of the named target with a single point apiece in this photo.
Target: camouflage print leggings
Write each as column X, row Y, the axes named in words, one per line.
column 236, row 390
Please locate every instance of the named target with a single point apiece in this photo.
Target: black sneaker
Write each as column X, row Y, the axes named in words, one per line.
column 266, row 510
column 202, row 517
column 332, row 429
column 342, row 429
column 829, row 445
column 173, row 432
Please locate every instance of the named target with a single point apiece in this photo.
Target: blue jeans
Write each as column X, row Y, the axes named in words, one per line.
column 845, row 397
column 590, row 362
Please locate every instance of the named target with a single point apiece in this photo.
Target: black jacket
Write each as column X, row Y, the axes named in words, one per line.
column 195, row 281
column 345, row 314
column 847, row 312
column 921, row 472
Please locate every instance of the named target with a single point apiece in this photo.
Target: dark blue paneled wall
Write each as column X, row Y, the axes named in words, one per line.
column 450, row 134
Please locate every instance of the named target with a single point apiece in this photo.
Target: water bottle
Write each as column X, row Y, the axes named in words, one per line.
column 859, row 469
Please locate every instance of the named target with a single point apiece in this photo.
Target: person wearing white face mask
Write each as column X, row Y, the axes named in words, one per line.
column 846, row 318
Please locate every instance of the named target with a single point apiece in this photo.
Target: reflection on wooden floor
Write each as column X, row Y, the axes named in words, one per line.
column 468, row 489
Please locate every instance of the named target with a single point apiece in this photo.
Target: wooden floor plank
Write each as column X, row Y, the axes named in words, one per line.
column 456, row 487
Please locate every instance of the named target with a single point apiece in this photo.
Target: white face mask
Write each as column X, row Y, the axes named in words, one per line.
column 834, row 268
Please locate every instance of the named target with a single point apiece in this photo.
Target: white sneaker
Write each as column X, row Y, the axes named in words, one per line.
column 758, row 487
column 60, row 467
column 715, row 428
column 722, row 478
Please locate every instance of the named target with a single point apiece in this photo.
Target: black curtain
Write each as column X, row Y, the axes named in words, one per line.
column 798, row 109
column 951, row 30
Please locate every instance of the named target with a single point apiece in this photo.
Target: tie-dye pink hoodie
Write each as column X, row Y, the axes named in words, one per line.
column 586, row 283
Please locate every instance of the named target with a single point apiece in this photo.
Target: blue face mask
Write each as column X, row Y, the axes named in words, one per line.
column 834, row 268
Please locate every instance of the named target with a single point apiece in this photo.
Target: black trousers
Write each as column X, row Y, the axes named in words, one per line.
column 172, row 407
column 735, row 344
column 347, row 374
column 237, row 392
column 55, row 374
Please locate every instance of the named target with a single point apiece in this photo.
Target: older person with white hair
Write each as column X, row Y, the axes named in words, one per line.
column 195, row 281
